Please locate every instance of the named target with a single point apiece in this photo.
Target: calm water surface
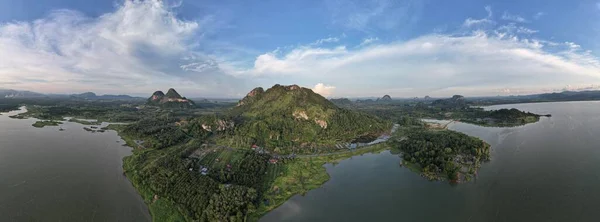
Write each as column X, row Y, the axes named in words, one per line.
column 546, row 171
column 71, row 175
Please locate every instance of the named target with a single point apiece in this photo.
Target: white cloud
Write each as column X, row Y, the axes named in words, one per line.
column 514, row 18
column 471, row 22
column 140, row 46
column 324, row 90
column 513, row 29
column 325, row 40
column 437, row 65
column 368, row 41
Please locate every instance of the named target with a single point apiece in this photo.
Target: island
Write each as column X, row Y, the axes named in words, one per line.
column 441, row 154
column 43, row 123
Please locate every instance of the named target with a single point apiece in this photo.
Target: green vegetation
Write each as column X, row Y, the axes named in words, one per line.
column 292, row 119
column 84, row 122
column 341, row 101
column 158, row 133
column 442, row 154
column 455, row 108
column 42, row 123
column 103, row 111
column 8, row 107
column 172, row 183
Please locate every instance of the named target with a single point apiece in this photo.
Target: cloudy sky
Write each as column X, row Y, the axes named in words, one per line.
column 340, row 48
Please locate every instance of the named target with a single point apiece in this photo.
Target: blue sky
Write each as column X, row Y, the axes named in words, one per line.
column 339, row 48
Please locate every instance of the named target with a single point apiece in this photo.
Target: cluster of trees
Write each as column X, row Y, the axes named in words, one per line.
column 442, row 152
column 283, row 131
column 250, row 171
column 453, row 103
column 157, row 133
column 508, row 115
column 8, row 107
column 165, row 175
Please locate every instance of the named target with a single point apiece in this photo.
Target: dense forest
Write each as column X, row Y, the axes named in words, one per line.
column 171, row 182
column 157, row 133
column 8, row 107
column 286, row 118
column 442, row 153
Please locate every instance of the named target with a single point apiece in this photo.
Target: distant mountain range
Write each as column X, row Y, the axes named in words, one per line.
column 93, row 96
column 544, row 97
column 10, row 93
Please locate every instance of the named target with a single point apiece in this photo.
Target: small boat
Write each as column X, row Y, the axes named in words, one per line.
column 61, row 129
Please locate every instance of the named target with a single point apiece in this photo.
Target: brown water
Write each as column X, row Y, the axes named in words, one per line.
column 546, row 171
column 71, row 175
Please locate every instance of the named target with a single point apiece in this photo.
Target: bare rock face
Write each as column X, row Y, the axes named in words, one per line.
column 300, row 115
column 293, row 87
column 321, row 123
column 218, row 125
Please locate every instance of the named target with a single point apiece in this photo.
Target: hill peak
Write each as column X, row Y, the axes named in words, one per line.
column 386, row 98
column 284, row 116
column 173, row 94
column 171, row 100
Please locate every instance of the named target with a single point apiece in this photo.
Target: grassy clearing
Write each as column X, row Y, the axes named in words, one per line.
column 164, row 210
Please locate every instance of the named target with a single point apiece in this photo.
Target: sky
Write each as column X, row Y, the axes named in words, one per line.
column 338, row 48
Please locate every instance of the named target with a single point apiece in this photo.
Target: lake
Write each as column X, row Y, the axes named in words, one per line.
column 70, row 175
column 546, row 171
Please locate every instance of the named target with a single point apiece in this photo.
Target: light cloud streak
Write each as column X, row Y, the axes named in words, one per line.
column 514, row 18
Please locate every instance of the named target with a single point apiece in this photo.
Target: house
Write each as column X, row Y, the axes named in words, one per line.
column 254, row 147
column 204, row 171
column 273, row 161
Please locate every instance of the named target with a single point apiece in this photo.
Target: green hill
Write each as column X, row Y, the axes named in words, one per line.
column 285, row 117
column 171, row 100
column 173, row 94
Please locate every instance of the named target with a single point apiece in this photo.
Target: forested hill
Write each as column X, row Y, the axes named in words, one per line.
column 171, row 100
column 292, row 116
